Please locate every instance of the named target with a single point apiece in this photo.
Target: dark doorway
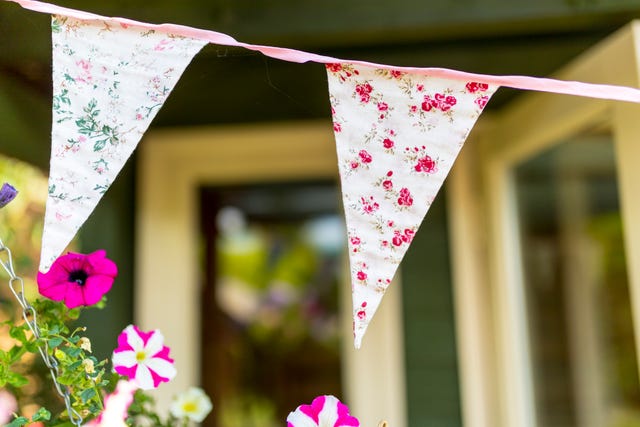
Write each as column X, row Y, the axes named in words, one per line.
column 270, row 338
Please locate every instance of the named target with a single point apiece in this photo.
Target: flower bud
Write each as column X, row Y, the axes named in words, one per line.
column 88, row 366
column 84, row 344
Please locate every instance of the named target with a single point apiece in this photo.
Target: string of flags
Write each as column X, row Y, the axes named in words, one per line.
column 398, row 130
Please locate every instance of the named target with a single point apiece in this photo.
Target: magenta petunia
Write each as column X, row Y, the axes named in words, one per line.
column 324, row 411
column 143, row 357
column 78, row 279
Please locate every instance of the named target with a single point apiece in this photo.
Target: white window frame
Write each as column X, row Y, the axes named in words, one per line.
column 173, row 165
column 493, row 344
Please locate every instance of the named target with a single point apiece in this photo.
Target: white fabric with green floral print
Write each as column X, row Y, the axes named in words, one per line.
column 109, row 81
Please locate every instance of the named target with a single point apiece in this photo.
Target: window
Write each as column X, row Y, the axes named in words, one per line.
column 546, row 224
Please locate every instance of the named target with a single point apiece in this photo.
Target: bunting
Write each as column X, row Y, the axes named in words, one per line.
column 397, row 136
column 109, row 81
column 398, row 130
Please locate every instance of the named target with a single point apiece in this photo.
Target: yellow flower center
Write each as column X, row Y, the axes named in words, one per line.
column 189, row 407
column 140, row 356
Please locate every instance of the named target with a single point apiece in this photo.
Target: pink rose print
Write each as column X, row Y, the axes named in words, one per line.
column 164, row 44
column 405, row 198
column 388, row 143
column 396, row 74
column 445, row 102
column 337, row 127
column 364, row 91
column 85, row 71
column 474, row 87
column 420, row 87
column 387, row 184
column 426, row 164
column 344, row 71
column 355, row 243
column 428, row 103
column 354, row 164
column 401, row 237
column 409, row 233
column 421, row 161
column 439, row 101
column 383, row 284
column 362, row 314
column 361, row 275
column 369, row 206
column 383, row 108
column 482, row 101
column 365, row 156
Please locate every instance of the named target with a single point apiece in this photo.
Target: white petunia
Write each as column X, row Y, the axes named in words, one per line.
column 193, row 404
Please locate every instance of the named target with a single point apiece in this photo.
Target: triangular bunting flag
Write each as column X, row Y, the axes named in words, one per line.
column 397, row 136
column 109, row 81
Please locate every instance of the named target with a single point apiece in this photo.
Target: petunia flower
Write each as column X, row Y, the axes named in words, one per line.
column 78, row 279
column 143, row 357
column 193, row 404
column 8, row 405
column 7, row 194
column 115, row 406
column 324, row 411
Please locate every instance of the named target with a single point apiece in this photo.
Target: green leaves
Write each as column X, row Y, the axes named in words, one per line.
column 41, row 415
column 17, row 333
column 90, row 126
column 82, row 373
column 87, row 395
column 18, row 422
column 54, row 342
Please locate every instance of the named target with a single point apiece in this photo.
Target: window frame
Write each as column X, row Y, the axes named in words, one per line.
column 493, row 343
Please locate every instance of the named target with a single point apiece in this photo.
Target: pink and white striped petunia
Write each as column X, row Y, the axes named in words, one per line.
column 143, row 357
column 324, row 411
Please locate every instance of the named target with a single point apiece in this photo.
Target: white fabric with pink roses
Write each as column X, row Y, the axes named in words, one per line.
column 397, row 136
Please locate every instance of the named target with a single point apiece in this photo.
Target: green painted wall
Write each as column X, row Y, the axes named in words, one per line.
column 433, row 396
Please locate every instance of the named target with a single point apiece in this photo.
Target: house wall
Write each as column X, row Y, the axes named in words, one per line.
column 433, row 397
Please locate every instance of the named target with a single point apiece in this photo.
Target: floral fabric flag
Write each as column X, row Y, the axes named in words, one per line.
column 397, row 136
column 109, row 81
